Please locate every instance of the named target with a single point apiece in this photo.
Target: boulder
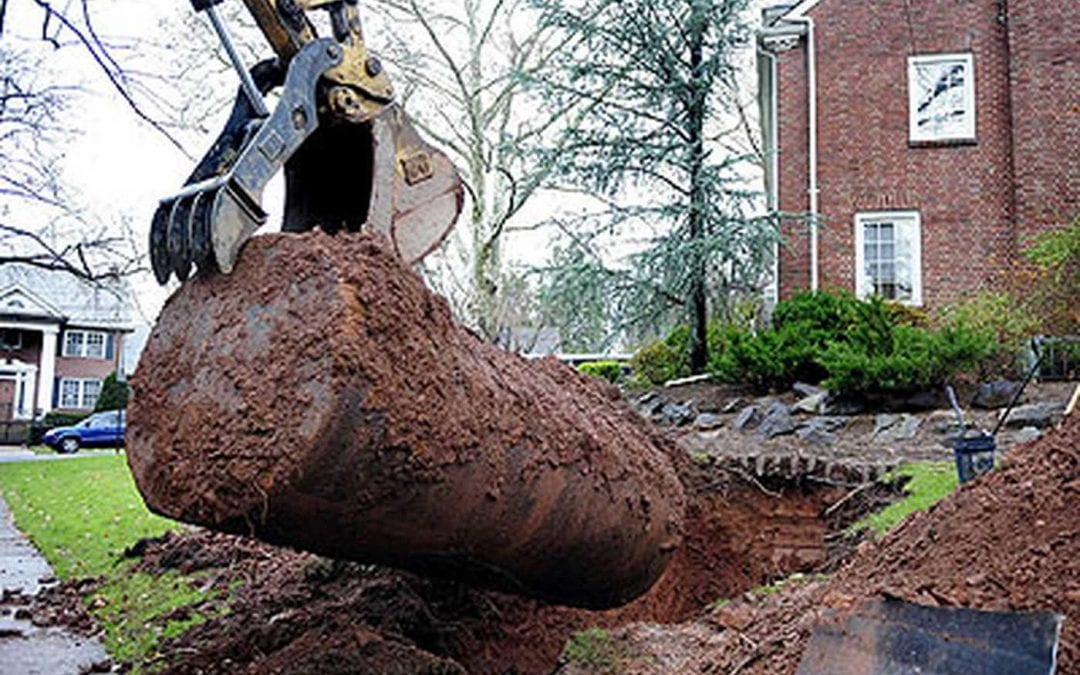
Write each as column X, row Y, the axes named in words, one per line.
column 812, row 404
column 943, row 422
column 996, row 394
column 817, row 436
column 1026, row 435
column 903, row 428
column 825, row 422
column 748, row 418
column 1038, row 415
column 677, row 414
column 776, row 421
column 707, row 421
column 883, row 422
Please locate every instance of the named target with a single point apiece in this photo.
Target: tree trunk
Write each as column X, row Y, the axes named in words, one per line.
column 699, row 315
column 321, row 397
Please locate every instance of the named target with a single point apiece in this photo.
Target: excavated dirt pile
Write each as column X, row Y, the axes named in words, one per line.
column 1009, row 541
column 293, row 612
column 321, row 397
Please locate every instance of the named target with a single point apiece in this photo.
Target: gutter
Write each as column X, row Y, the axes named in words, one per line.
column 812, row 160
column 772, row 196
column 796, row 25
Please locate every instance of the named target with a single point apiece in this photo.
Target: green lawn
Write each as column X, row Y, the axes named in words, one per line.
column 927, row 484
column 82, row 513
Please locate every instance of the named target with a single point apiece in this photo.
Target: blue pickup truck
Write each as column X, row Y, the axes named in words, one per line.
column 100, row 430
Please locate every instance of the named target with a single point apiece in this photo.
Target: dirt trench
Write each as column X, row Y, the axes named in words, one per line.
column 1008, row 541
column 295, row 612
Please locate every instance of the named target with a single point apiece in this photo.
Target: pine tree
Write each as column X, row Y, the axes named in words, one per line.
column 114, row 394
column 665, row 146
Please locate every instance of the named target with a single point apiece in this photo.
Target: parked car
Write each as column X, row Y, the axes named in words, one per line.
column 100, row 430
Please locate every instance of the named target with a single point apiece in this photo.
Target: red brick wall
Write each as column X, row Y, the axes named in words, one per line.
column 1044, row 45
column 865, row 163
column 792, row 154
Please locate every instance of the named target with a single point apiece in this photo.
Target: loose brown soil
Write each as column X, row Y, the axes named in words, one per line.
column 1009, row 542
column 322, row 397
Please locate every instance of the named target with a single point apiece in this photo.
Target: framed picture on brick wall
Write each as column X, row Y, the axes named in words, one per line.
column 941, row 98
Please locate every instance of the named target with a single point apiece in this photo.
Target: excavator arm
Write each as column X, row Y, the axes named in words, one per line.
column 351, row 156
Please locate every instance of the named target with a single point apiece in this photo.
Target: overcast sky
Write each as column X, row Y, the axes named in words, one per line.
column 118, row 165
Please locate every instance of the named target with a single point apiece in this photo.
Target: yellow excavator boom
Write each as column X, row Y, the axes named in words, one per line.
column 352, row 158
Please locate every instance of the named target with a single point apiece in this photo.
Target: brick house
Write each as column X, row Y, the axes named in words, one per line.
column 914, row 146
column 60, row 337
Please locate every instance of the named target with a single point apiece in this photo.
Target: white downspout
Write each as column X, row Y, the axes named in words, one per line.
column 812, row 160
column 772, row 151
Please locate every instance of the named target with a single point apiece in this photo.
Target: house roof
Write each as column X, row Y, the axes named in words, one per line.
column 33, row 292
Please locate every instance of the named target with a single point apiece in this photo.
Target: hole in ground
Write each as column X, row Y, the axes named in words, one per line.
column 741, row 534
column 293, row 610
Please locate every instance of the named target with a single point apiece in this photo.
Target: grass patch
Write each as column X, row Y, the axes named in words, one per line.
column 81, row 514
column 592, row 649
column 927, row 483
column 777, row 586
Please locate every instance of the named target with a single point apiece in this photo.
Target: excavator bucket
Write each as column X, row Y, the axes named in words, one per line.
column 340, row 175
column 890, row 637
column 380, row 175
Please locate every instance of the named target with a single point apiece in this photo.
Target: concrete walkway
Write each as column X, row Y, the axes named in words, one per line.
column 18, row 453
column 26, row 649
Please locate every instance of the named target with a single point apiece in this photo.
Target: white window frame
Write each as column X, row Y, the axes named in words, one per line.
column 897, row 218
column 86, row 403
column 84, row 346
column 914, row 92
column 99, row 343
column 80, row 393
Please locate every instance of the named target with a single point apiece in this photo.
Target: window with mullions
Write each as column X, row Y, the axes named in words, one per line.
column 69, row 393
column 888, row 256
column 79, row 394
column 85, row 344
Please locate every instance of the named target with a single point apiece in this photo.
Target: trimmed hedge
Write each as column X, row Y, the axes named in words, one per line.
column 51, row 420
column 606, row 370
column 854, row 347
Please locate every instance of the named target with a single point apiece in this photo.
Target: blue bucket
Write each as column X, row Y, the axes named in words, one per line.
column 974, row 455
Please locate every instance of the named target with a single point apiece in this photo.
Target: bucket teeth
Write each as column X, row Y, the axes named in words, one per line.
column 202, row 250
column 159, row 247
column 180, row 237
column 202, row 227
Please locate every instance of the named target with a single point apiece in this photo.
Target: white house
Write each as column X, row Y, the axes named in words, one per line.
column 60, row 337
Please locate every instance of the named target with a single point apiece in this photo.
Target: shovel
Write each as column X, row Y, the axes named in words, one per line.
column 891, row 637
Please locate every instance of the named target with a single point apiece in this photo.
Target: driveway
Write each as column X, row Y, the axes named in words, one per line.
column 18, row 453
